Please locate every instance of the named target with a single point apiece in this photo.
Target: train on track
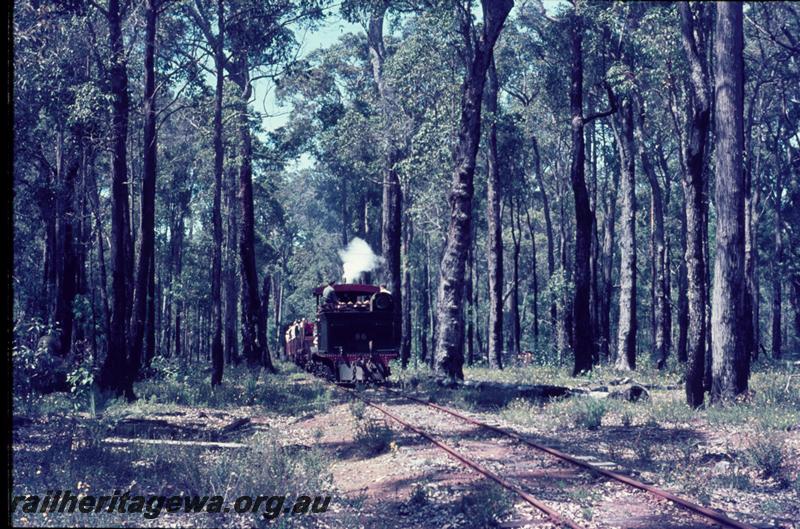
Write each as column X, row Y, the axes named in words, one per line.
column 352, row 338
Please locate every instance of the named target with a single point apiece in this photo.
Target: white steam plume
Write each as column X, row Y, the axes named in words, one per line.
column 358, row 258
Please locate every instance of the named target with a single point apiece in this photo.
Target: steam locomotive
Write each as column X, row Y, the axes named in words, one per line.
column 352, row 339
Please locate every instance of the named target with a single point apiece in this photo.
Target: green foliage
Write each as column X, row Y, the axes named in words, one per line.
column 35, row 364
column 419, row 497
column 373, row 436
column 81, row 382
column 185, row 384
column 589, row 413
column 767, row 453
column 358, row 409
column 484, row 506
column 264, row 468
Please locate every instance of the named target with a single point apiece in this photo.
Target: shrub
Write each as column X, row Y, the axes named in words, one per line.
column 373, row 436
column 419, row 497
column 483, row 507
column 358, row 408
column 589, row 413
column 767, row 454
column 627, row 418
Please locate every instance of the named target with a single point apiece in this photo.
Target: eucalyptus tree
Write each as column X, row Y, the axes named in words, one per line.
column 494, row 239
column 260, row 43
column 730, row 360
column 584, row 332
column 695, row 29
column 478, row 48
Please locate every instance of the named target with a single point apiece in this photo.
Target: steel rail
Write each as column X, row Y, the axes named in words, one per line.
column 686, row 504
column 553, row 515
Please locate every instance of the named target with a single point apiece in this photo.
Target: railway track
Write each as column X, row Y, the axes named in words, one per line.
column 709, row 517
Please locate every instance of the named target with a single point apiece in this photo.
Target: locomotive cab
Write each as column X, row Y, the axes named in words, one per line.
column 354, row 337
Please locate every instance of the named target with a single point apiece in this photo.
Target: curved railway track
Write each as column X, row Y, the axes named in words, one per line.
column 697, row 511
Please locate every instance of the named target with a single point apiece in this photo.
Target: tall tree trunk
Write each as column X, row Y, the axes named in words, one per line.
column 177, row 248
column 693, row 187
column 594, row 256
column 683, row 298
column 494, row 239
column 548, row 223
column 534, row 281
column 230, row 279
column 516, row 234
column 659, row 256
column 776, row 269
column 94, row 199
column 405, row 341
column 425, row 306
column 113, row 375
column 217, row 358
column 609, row 242
column 731, row 366
column 277, row 287
column 391, row 211
column 266, row 287
column 565, row 323
column 584, row 343
column 626, row 330
column 449, row 337
column 752, row 201
column 253, row 333
column 66, row 286
column 150, row 321
column 147, row 218
column 469, row 291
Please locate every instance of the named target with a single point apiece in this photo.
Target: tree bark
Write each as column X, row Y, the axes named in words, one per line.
column 626, row 331
column 469, row 290
column 610, row 190
column 425, row 307
column 391, row 211
column 146, row 239
column 534, row 280
column 516, row 235
column 548, row 223
column 730, row 361
column 776, row 315
column 217, row 358
column 494, row 239
column 66, row 285
column 584, row 343
column 231, row 279
column 150, row 321
column 693, row 187
column 266, row 287
column 113, row 376
column 405, row 341
column 253, row 332
column 450, row 324
column 659, row 279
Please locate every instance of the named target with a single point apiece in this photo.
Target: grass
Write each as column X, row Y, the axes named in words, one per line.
column 266, row 468
column 75, row 457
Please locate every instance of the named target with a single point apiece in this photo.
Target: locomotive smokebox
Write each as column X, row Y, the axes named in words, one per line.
column 381, row 302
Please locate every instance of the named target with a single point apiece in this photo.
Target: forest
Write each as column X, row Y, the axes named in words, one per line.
column 585, row 213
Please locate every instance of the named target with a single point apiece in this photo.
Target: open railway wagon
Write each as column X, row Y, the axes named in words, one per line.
column 351, row 340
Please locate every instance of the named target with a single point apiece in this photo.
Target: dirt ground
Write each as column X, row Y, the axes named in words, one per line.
column 385, row 476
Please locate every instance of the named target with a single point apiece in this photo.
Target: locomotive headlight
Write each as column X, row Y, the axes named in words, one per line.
column 381, row 301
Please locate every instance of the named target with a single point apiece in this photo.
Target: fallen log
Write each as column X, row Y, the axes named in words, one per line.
column 123, row 441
